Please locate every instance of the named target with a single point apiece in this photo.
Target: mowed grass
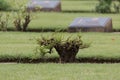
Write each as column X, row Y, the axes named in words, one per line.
column 59, row 71
column 60, row 21
column 24, row 44
column 63, row 20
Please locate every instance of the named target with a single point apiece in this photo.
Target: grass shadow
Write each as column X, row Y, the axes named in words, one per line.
column 77, row 11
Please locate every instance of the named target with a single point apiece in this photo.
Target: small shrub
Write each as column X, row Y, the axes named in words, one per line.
column 22, row 20
column 104, row 6
column 4, row 5
column 4, row 20
column 67, row 49
column 117, row 6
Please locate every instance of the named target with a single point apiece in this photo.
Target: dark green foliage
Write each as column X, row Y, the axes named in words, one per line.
column 4, row 5
column 104, row 6
column 67, row 48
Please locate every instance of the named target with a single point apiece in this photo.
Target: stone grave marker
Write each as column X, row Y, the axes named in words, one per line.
column 44, row 5
column 91, row 25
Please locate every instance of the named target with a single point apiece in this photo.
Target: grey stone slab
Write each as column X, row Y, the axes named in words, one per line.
column 89, row 22
column 93, row 23
column 43, row 4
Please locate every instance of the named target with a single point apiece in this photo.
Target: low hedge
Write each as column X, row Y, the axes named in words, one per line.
column 4, row 5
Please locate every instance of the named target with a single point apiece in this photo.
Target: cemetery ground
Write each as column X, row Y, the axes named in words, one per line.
column 60, row 21
column 20, row 47
column 51, row 71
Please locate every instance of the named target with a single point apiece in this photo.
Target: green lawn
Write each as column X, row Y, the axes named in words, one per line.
column 14, row 45
column 23, row 44
column 61, row 21
column 83, row 5
column 59, row 71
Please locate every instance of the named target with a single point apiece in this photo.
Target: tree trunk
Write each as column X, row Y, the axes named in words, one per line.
column 66, row 54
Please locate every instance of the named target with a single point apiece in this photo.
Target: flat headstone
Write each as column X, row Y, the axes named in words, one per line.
column 44, row 5
column 91, row 24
